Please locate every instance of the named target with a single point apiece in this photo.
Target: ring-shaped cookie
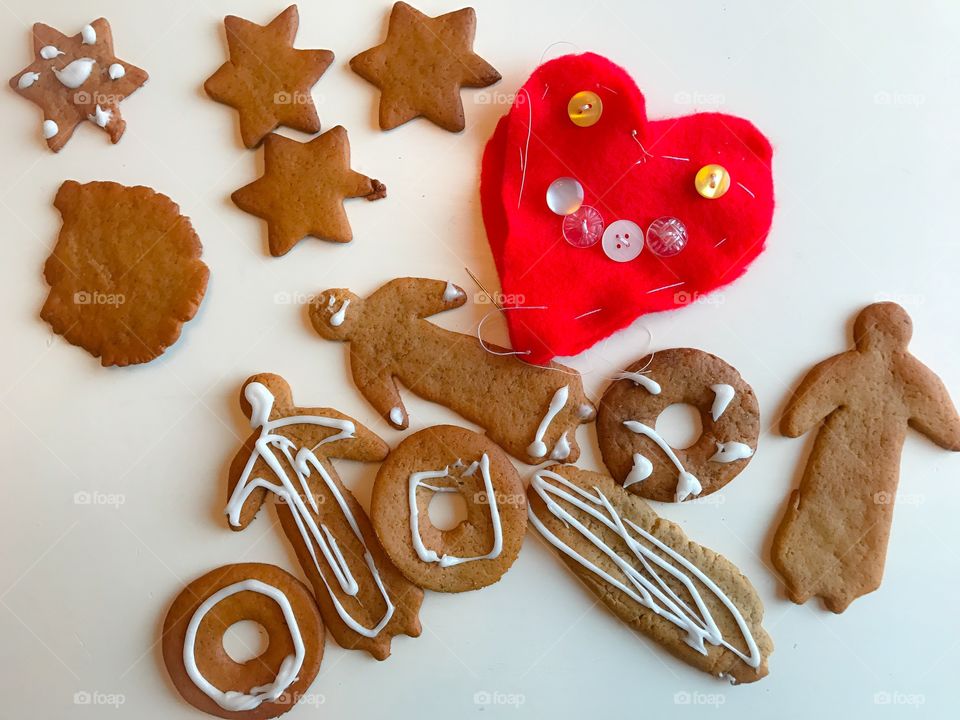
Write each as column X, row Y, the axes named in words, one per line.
column 478, row 551
column 262, row 687
column 642, row 461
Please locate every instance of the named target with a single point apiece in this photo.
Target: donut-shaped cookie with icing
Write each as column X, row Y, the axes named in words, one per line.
column 448, row 459
column 642, row 461
column 262, row 687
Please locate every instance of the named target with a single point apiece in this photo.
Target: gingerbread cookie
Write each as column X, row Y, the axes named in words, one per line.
column 530, row 411
column 266, row 79
column 689, row 599
column 303, row 188
column 363, row 598
column 75, row 79
column 125, row 273
column 448, row 459
column 265, row 686
column 642, row 461
column 422, row 65
column 832, row 542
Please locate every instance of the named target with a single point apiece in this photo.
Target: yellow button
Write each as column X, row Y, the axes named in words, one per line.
column 585, row 108
column 712, row 181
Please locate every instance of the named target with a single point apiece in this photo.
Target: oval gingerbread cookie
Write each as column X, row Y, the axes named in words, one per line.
column 448, row 459
column 642, row 461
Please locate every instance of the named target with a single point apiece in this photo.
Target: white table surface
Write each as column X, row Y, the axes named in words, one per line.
column 863, row 110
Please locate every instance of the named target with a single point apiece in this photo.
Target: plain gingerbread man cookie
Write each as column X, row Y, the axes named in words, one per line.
column 530, row 411
column 833, row 540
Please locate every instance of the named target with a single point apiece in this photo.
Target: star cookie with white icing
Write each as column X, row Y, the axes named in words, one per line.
column 266, row 79
column 75, row 79
column 303, row 188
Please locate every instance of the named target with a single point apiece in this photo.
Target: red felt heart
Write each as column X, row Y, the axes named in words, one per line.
column 629, row 175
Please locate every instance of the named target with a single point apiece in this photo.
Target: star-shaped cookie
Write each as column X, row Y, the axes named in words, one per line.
column 303, row 188
column 266, row 79
column 422, row 65
column 77, row 78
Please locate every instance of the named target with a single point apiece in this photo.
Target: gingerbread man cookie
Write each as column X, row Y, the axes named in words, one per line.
column 530, row 411
column 832, row 542
column 76, row 79
column 689, row 599
column 363, row 598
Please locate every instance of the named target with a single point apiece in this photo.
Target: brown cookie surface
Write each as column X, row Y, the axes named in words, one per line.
column 262, row 687
column 642, row 461
column 76, row 79
column 363, row 598
column 303, row 188
column 531, row 411
column 478, row 551
column 832, row 541
column 422, row 65
column 125, row 273
column 266, row 79
column 683, row 596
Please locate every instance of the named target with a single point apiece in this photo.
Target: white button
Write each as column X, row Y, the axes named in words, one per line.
column 564, row 196
column 622, row 240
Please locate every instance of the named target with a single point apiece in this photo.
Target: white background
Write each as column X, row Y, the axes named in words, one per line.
column 862, row 107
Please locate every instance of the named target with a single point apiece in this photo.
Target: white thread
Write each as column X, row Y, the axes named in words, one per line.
column 607, row 89
column 554, row 44
column 525, row 157
column 589, row 312
column 508, row 352
column 720, row 243
column 666, row 287
column 746, row 190
column 674, row 157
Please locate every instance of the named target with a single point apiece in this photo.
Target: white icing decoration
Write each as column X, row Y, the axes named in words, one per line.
column 89, row 35
column 49, row 52
column 642, row 469
column 27, row 79
column 233, row 700
column 116, row 71
column 396, row 416
column 729, row 452
column 643, row 381
column 654, row 594
column 723, row 394
column 430, row 556
column 336, row 320
column 561, row 451
column 538, row 448
column 76, row 73
column 100, row 117
column 586, row 411
column 301, row 461
column 687, row 483
column 451, row 292
column 331, row 301
column 50, row 128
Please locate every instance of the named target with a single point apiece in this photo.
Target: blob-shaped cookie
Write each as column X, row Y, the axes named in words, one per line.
column 642, row 461
column 530, row 411
column 448, row 459
column 689, row 599
column 125, row 273
column 363, row 598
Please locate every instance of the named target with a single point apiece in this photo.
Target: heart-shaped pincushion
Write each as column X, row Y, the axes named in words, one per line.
column 585, row 294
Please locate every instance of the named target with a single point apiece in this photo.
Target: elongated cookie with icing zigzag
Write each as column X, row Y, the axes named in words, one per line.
column 687, row 598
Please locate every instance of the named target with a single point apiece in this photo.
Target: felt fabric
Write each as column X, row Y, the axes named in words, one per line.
column 585, row 294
